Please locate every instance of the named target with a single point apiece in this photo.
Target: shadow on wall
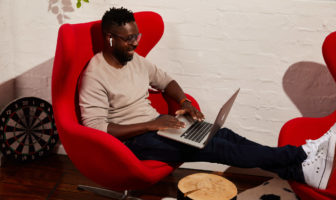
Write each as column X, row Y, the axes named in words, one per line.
column 7, row 93
column 60, row 8
column 36, row 82
column 311, row 88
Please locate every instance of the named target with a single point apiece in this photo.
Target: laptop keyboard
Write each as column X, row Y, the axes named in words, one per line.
column 197, row 131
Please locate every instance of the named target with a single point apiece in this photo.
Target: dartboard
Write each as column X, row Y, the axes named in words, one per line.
column 27, row 129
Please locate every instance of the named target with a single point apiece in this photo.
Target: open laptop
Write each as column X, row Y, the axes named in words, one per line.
column 196, row 133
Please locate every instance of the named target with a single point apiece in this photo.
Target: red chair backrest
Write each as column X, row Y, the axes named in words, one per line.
column 329, row 53
column 78, row 43
column 297, row 130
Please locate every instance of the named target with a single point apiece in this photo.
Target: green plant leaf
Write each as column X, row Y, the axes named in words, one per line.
column 87, row 1
column 78, row 4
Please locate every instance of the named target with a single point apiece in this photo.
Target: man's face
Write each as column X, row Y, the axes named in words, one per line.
column 125, row 41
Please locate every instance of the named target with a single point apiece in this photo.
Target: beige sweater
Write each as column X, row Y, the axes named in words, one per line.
column 108, row 94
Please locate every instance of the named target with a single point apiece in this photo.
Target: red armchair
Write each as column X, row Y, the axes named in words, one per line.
column 96, row 154
column 297, row 130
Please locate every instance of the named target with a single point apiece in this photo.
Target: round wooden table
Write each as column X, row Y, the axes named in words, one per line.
column 204, row 186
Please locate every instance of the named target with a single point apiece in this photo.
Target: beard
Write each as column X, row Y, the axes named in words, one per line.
column 123, row 56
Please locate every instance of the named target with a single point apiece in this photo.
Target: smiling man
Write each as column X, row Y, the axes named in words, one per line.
column 113, row 98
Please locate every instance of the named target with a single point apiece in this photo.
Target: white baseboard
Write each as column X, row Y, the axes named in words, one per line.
column 205, row 166
column 59, row 149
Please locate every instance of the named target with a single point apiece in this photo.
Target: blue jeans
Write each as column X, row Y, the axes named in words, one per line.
column 226, row 147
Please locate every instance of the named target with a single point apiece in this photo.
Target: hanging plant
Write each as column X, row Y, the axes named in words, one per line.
column 79, row 3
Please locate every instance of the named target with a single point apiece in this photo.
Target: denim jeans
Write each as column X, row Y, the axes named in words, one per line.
column 226, row 147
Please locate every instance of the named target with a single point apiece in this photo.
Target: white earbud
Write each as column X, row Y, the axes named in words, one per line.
column 111, row 43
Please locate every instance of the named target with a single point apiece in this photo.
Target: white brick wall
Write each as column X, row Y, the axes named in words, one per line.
column 210, row 47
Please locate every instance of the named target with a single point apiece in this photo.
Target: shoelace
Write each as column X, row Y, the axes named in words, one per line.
column 310, row 161
column 313, row 144
column 314, row 147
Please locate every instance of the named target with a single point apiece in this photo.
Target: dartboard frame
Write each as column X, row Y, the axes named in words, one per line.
column 27, row 129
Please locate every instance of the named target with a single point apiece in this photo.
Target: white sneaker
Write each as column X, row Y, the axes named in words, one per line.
column 318, row 167
column 311, row 146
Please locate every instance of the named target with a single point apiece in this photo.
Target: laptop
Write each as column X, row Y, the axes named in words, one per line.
column 196, row 133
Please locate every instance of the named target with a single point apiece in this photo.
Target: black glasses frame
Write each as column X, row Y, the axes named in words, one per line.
column 130, row 39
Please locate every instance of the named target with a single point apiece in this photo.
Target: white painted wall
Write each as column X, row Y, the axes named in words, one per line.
column 210, row 47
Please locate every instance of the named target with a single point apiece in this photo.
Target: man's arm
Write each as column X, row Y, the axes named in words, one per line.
column 123, row 132
column 174, row 91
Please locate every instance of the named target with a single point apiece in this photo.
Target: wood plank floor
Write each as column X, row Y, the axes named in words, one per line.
column 56, row 178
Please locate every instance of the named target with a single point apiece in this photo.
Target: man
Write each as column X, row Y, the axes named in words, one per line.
column 113, row 98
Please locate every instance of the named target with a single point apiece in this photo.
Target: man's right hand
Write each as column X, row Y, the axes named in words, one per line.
column 166, row 122
column 123, row 132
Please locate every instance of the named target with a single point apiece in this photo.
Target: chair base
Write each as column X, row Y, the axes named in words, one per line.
column 107, row 193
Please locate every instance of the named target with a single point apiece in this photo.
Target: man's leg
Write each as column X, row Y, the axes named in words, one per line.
column 226, row 148
column 234, row 150
column 233, row 137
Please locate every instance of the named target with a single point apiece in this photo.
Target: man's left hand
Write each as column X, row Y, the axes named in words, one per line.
column 188, row 108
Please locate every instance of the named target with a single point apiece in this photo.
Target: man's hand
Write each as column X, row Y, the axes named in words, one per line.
column 166, row 122
column 188, row 108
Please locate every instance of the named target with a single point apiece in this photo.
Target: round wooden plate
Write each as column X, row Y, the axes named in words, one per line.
column 203, row 186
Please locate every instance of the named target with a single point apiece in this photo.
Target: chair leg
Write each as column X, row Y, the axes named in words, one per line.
column 107, row 193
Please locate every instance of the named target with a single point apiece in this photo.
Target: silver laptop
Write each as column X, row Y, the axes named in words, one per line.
column 196, row 133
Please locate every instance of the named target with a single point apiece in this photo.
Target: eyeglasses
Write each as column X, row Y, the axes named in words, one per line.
column 129, row 39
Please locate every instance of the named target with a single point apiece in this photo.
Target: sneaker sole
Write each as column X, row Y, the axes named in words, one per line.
column 329, row 163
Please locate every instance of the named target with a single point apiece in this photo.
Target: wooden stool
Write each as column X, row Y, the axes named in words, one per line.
column 203, row 186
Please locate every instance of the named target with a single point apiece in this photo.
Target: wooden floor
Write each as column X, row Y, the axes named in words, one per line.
column 56, row 178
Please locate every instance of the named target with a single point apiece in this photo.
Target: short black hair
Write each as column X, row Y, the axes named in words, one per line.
column 116, row 17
